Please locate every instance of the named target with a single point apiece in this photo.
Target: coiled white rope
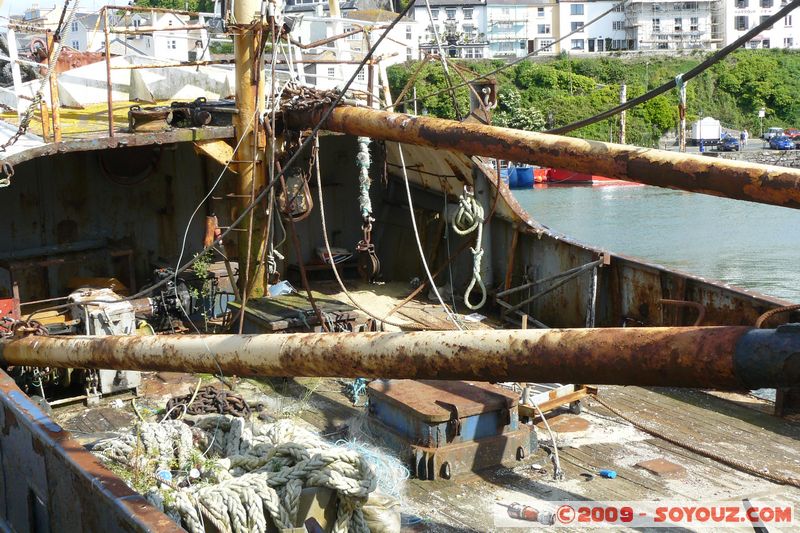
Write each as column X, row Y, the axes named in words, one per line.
column 259, row 480
column 467, row 219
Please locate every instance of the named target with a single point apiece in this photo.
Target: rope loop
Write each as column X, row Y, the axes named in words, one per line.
column 467, row 219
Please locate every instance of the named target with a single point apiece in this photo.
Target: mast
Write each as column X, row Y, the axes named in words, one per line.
column 250, row 156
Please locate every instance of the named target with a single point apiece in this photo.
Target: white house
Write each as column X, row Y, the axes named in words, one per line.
column 163, row 42
column 515, row 28
column 85, row 32
column 461, row 25
column 329, row 65
column 673, row 25
column 742, row 15
column 607, row 34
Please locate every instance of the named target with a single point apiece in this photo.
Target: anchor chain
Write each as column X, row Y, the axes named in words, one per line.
column 209, row 400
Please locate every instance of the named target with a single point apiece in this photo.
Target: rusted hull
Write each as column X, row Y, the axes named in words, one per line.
column 730, row 179
column 708, row 357
column 50, row 482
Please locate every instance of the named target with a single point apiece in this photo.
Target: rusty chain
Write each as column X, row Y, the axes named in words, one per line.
column 208, row 400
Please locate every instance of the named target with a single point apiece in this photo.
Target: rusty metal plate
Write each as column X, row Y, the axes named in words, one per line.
column 433, row 401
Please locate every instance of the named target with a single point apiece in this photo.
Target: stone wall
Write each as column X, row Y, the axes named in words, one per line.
column 784, row 158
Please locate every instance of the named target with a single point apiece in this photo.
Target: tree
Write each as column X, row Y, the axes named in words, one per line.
column 513, row 113
column 206, row 6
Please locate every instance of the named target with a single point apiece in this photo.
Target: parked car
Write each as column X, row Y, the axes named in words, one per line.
column 773, row 132
column 796, row 142
column 729, row 143
column 781, row 142
column 792, row 133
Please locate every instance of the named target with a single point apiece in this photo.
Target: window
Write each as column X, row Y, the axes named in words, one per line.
column 763, row 19
column 765, row 43
column 577, row 44
column 331, row 72
column 137, row 23
column 619, row 44
column 576, row 26
column 409, row 33
column 617, row 25
column 546, row 44
column 766, row 3
column 435, row 14
column 169, row 22
column 678, row 24
column 788, row 42
column 361, row 76
column 172, row 44
column 740, row 23
column 505, row 46
column 694, row 24
column 742, row 4
column 469, row 30
column 619, row 8
column 576, row 9
column 543, row 28
column 787, row 21
column 76, row 45
column 467, row 13
column 473, row 53
column 539, row 11
column 74, row 26
column 656, row 25
column 409, row 54
column 353, row 36
column 451, row 13
column 753, row 44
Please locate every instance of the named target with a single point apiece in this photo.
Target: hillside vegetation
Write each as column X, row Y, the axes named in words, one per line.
column 550, row 93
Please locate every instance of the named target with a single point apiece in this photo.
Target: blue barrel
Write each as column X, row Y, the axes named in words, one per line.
column 512, row 177
column 524, row 178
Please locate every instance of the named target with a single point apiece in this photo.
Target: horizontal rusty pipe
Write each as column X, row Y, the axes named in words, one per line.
column 730, row 179
column 735, row 357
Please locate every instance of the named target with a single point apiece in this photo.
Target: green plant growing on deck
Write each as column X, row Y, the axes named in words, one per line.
column 201, row 268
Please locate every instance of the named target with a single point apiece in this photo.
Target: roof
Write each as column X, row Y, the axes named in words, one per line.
column 438, row 3
column 372, row 15
column 89, row 20
column 303, row 8
column 541, row 3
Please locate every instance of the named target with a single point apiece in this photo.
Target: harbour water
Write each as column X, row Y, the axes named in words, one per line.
column 749, row 245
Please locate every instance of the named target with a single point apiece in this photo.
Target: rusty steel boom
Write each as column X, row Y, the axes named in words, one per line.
column 722, row 357
column 696, row 173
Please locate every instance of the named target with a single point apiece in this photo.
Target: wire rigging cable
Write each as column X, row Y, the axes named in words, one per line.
column 696, row 71
column 419, row 244
column 516, row 61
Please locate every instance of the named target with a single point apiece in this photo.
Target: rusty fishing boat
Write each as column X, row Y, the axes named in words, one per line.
column 301, row 242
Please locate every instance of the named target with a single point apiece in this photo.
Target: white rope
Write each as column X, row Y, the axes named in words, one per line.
column 258, row 483
column 558, row 473
column 419, row 244
column 467, row 219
